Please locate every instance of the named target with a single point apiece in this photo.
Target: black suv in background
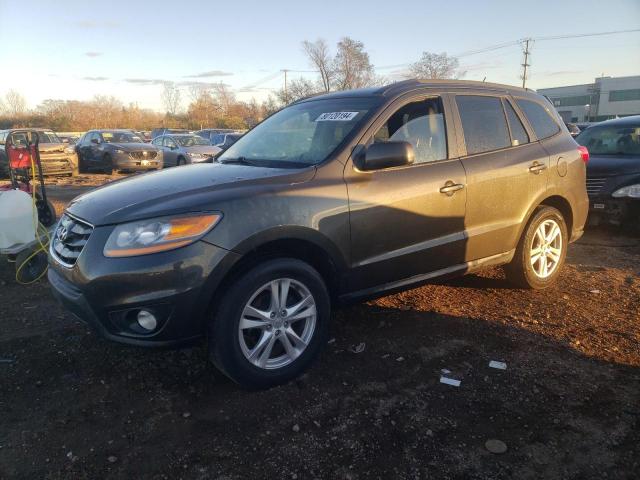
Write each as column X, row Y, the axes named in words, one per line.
column 339, row 197
column 613, row 173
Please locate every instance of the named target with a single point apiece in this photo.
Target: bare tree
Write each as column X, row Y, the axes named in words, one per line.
column 297, row 89
column 3, row 107
column 318, row 53
column 16, row 104
column 436, row 65
column 170, row 98
column 352, row 66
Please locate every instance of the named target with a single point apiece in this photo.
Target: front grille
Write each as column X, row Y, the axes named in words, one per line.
column 147, row 155
column 594, row 185
column 69, row 239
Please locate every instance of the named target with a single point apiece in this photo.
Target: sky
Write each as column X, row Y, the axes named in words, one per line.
column 73, row 50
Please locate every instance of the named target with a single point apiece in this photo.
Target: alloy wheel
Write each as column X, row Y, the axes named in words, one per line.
column 277, row 323
column 546, row 248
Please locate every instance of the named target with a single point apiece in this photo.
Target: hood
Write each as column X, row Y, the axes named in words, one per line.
column 612, row 165
column 191, row 188
column 135, row 147
column 206, row 149
column 52, row 147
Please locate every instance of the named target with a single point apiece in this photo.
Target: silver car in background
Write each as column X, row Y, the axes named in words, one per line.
column 183, row 149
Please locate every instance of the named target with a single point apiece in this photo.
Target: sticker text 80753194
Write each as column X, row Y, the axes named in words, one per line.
column 336, row 116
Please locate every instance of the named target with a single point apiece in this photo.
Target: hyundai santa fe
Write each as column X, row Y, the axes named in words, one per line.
column 335, row 198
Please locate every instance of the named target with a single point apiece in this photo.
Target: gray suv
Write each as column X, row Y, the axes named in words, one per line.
column 120, row 150
column 336, row 198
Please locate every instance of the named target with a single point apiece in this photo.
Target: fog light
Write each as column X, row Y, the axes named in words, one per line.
column 147, row 320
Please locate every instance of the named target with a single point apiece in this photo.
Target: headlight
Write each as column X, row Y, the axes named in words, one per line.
column 631, row 191
column 158, row 234
column 118, row 150
column 70, row 150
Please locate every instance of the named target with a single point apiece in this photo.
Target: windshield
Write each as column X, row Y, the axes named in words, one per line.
column 302, row 134
column 191, row 140
column 48, row 137
column 611, row 140
column 121, row 137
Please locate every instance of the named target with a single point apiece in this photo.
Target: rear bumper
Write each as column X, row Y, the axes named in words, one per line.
column 62, row 165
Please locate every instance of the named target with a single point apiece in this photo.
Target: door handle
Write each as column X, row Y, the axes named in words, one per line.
column 537, row 167
column 450, row 188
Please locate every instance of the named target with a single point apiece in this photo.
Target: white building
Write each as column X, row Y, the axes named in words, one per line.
column 607, row 97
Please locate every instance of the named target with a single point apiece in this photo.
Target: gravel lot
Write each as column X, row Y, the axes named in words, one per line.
column 567, row 406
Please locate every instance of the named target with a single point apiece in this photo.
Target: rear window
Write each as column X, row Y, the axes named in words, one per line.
column 539, row 117
column 483, row 123
column 518, row 133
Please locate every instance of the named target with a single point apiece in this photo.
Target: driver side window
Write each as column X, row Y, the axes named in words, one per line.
column 422, row 125
column 168, row 142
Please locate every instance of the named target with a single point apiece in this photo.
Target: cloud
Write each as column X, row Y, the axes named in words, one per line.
column 93, row 54
column 561, row 72
column 146, row 81
column 95, row 79
column 202, row 84
column 92, row 24
column 210, row 73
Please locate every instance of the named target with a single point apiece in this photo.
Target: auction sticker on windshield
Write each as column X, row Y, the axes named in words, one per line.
column 336, row 116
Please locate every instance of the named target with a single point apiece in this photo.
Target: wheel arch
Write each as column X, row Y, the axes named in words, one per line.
column 299, row 243
column 556, row 201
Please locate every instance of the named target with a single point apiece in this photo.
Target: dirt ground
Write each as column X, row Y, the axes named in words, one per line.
column 567, row 406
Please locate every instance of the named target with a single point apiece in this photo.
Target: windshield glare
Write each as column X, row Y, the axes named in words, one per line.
column 305, row 133
column 191, row 140
column 121, row 137
column 611, row 140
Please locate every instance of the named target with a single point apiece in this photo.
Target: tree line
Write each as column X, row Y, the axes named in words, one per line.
column 216, row 106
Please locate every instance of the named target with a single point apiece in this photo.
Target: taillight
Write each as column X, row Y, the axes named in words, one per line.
column 584, row 153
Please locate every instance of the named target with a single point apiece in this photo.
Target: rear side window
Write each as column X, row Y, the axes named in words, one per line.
column 539, row 117
column 518, row 133
column 483, row 122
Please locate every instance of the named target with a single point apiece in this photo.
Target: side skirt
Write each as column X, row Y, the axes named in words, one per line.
column 423, row 278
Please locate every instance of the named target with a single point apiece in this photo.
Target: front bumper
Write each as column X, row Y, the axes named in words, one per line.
column 107, row 293
column 615, row 211
column 124, row 162
column 57, row 164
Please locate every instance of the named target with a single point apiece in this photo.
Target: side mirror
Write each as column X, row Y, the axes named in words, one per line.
column 386, row 155
column 95, row 140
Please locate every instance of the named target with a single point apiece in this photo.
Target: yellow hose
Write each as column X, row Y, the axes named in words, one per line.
column 40, row 229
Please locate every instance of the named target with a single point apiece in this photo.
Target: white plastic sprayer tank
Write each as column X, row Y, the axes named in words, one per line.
column 16, row 218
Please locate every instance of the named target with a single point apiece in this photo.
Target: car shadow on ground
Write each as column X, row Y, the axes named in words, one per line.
column 75, row 406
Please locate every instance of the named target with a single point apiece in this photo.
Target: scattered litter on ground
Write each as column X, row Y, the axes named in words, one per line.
column 112, row 459
column 333, row 340
column 594, row 291
column 296, row 428
column 357, row 348
column 7, row 360
column 495, row 446
column 450, row 381
column 498, row 365
column 400, row 359
column 445, row 371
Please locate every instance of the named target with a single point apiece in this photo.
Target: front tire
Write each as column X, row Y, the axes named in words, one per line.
column 108, row 164
column 271, row 323
column 541, row 251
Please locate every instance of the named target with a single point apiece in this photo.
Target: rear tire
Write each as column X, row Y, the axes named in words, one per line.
column 541, row 251
column 279, row 342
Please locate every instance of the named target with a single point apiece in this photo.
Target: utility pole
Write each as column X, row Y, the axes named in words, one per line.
column 286, row 96
column 527, row 52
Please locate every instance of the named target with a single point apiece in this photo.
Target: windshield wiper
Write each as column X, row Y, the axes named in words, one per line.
column 239, row 160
